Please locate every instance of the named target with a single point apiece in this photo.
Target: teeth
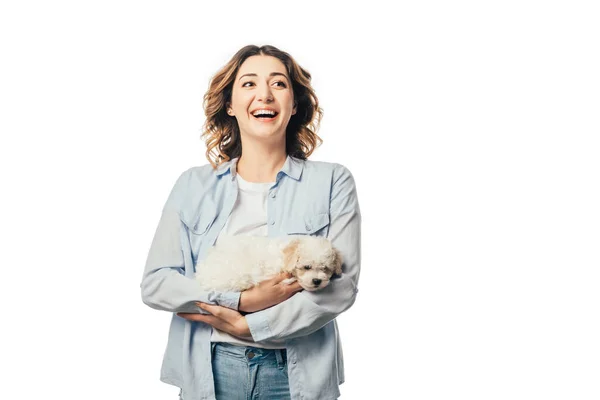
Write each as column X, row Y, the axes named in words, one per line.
column 263, row 112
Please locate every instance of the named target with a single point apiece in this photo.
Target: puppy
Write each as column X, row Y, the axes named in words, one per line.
column 239, row 262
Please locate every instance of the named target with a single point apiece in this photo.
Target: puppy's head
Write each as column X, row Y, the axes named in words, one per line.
column 313, row 261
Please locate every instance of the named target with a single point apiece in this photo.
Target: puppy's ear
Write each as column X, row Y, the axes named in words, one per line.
column 337, row 262
column 290, row 255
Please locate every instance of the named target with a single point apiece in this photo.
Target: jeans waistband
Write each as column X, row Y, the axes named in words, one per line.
column 251, row 354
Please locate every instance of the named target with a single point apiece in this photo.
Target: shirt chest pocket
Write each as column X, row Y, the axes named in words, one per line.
column 200, row 228
column 309, row 224
column 203, row 223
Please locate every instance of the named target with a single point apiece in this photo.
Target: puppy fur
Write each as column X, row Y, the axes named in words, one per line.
column 239, row 262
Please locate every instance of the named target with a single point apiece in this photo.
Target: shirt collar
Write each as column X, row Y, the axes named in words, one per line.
column 292, row 167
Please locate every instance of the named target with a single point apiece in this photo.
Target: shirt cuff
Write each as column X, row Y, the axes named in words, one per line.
column 230, row 300
column 259, row 326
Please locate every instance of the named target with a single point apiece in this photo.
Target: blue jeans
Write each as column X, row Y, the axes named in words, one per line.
column 249, row 373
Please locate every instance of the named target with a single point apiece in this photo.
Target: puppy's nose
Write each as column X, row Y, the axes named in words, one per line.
column 317, row 281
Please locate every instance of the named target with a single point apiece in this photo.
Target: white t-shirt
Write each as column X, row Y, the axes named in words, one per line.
column 248, row 217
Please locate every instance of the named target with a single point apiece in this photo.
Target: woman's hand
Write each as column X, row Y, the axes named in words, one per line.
column 268, row 293
column 223, row 318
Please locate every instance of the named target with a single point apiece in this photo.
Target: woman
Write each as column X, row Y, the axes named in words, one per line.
column 273, row 341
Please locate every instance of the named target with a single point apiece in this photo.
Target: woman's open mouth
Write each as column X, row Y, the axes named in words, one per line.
column 265, row 116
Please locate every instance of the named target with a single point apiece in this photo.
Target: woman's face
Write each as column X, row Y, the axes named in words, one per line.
column 262, row 83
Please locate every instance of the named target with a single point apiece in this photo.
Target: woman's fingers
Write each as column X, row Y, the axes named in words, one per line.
column 280, row 277
column 226, row 314
column 294, row 287
column 214, row 310
column 222, row 318
column 208, row 319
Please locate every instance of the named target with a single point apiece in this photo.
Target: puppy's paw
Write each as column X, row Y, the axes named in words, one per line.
column 288, row 281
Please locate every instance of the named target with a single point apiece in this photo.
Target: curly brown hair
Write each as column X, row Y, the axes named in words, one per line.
column 221, row 132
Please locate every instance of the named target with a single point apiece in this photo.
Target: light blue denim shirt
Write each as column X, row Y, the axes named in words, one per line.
column 308, row 198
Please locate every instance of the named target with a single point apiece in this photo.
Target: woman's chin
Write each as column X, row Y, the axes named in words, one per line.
column 266, row 135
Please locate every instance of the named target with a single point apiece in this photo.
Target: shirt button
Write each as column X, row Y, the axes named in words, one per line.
column 250, row 356
column 273, row 194
column 272, row 222
column 294, row 362
column 308, row 227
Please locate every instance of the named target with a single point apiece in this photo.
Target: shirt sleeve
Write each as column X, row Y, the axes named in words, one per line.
column 164, row 285
column 306, row 312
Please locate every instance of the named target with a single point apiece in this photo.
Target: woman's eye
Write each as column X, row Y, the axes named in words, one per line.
column 279, row 83
column 307, row 267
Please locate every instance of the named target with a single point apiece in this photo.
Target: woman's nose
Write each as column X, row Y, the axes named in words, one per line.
column 264, row 94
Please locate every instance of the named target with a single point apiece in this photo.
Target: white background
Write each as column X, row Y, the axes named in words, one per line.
column 471, row 129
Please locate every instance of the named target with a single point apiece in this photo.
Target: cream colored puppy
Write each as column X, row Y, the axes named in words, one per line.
column 239, row 262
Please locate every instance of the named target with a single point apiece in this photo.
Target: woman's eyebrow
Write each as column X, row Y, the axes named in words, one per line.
column 271, row 74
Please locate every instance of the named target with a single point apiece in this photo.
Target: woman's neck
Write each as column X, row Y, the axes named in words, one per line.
column 260, row 164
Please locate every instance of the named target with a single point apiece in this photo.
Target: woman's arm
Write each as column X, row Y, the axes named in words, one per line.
column 164, row 285
column 306, row 312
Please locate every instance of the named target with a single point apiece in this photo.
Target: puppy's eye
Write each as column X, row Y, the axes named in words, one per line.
column 307, row 267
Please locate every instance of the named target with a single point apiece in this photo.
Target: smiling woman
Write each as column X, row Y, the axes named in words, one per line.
column 261, row 79
column 274, row 340
column 262, row 101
